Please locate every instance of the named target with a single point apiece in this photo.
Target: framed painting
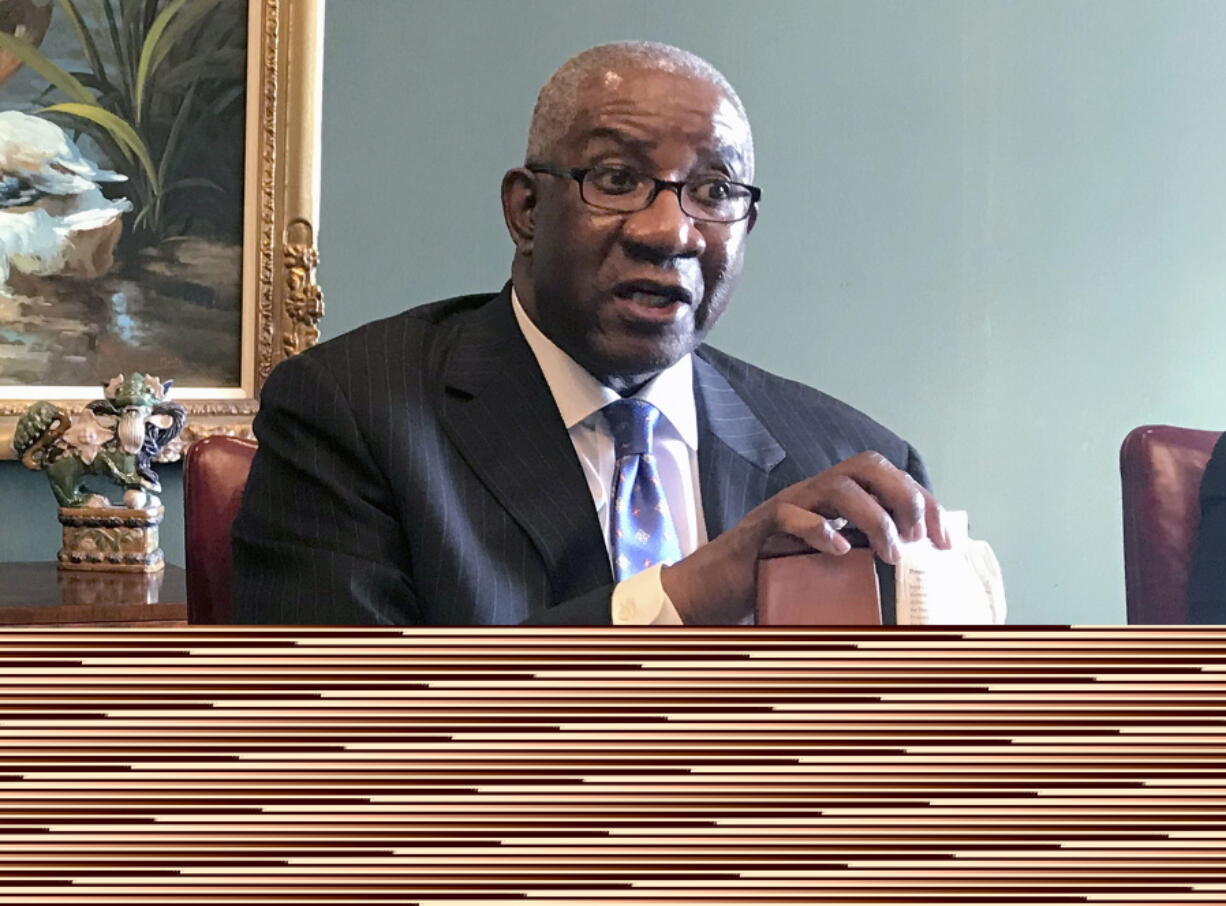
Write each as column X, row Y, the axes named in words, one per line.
column 158, row 199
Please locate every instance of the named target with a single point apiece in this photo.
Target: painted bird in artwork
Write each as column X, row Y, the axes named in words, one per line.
column 38, row 152
column 54, row 218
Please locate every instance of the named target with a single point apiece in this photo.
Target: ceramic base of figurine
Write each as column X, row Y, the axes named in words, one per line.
column 111, row 538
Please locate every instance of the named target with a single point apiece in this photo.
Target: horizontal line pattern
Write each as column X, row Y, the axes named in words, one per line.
column 857, row 766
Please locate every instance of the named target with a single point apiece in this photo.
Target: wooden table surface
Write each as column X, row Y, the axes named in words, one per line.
column 681, row 765
column 34, row 594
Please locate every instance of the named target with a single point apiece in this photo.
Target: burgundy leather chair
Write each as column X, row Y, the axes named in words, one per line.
column 1161, row 469
column 214, row 474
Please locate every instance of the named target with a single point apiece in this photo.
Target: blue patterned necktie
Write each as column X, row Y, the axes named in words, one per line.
column 641, row 529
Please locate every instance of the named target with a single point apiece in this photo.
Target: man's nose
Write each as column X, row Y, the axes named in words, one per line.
column 662, row 230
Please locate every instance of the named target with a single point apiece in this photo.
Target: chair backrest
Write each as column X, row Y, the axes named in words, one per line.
column 214, row 474
column 1161, row 469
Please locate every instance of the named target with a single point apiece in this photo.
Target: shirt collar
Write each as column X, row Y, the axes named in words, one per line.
column 579, row 395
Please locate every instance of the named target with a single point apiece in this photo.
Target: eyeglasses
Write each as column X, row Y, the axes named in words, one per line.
column 713, row 199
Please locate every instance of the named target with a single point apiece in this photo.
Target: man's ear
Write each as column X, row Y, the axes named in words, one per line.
column 519, row 199
column 753, row 218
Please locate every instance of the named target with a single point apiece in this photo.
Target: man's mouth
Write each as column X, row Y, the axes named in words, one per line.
column 654, row 299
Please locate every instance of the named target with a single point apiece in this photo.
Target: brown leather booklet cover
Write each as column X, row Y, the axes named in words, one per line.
column 799, row 587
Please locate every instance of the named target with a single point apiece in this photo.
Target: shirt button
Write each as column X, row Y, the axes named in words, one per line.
column 625, row 612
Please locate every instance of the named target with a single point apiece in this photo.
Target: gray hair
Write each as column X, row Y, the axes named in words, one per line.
column 556, row 105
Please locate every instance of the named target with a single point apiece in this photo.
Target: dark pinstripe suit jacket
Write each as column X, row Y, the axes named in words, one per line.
column 416, row 470
column 1207, row 582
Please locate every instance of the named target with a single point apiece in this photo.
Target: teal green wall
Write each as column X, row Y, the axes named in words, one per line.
column 998, row 227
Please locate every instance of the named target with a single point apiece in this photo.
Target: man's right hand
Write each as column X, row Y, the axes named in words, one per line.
column 716, row 584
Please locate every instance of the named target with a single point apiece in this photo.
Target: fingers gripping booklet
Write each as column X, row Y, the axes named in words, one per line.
column 962, row 585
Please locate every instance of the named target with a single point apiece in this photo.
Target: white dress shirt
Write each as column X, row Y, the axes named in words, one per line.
column 639, row 600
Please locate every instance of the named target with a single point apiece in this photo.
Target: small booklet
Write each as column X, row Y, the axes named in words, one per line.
column 962, row 585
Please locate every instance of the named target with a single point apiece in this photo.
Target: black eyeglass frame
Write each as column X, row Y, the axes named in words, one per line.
column 578, row 174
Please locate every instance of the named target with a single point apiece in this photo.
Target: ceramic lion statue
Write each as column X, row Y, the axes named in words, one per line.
column 116, row 438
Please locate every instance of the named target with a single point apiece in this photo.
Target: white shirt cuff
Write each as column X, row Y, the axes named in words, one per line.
column 642, row 601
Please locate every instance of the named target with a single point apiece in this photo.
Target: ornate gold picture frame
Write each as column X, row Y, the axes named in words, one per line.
column 281, row 303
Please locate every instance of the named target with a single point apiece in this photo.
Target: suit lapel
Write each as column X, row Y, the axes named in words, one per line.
column 499, row 413
column 735, row 451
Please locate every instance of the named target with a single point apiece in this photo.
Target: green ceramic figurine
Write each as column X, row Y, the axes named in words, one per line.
column 116, row 439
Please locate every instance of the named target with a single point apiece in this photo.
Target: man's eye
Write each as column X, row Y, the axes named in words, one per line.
column 714, row 190
column 614, row 181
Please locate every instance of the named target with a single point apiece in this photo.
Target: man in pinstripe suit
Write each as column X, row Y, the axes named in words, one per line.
column 456, row 464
